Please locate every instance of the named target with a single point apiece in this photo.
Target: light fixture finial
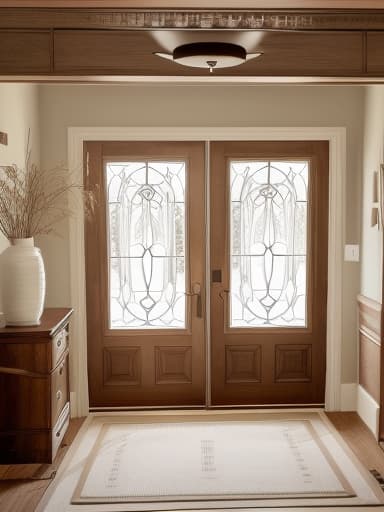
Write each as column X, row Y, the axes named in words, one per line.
column 211, row 65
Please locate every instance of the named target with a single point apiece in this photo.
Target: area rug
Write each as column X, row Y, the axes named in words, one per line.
column 209, row 460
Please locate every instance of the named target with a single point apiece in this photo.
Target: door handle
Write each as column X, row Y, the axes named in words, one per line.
column 196, row 292
column 224, row 294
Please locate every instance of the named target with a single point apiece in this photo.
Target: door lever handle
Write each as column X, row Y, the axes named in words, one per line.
column 196, row 292
column 223, row 294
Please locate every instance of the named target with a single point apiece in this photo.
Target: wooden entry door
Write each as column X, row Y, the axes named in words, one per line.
column 145, row 274
column 269, row 232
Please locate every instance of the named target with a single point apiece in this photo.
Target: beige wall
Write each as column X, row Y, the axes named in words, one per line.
column 371, row 237
column 19, row 112
column 148, row 105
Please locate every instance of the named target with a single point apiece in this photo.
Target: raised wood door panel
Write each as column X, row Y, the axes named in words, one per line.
column 267, row 364
column 144, row 365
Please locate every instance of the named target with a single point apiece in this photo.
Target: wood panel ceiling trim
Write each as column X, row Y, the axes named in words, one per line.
column 234, row 19
column 299, row 42
column 131, row 53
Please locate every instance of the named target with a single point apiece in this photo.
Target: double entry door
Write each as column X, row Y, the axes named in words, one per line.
column 207, row 280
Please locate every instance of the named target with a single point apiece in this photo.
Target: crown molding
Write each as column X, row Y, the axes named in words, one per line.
column 191, row 19
column 200, row 4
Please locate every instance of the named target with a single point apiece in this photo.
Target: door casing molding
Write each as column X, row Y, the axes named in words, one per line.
column 336, row 234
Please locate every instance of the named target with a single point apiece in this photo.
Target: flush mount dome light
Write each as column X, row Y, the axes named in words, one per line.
column 209, row 55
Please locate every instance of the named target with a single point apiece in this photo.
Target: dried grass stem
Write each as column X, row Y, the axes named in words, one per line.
column 32, row 199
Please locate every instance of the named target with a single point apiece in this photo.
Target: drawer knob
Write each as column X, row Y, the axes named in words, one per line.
column 60, row 338
column 58, row 434
column 61, row 369
column 58, row 395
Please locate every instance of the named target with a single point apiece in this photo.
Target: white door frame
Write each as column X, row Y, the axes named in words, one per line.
column 336, row 234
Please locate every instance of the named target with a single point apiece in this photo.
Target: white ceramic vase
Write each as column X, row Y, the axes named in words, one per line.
column 22, row 283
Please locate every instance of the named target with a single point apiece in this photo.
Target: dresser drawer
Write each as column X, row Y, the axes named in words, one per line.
column 59, row 345
column 59, row 388
column 60, row 429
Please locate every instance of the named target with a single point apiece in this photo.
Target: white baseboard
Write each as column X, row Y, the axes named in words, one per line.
column 348, row 397
column 368, row 410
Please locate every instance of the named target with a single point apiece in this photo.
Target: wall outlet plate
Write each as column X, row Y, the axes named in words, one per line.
column 352, row 253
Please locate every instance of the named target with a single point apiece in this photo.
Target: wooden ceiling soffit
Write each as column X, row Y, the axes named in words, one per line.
column 145, row 19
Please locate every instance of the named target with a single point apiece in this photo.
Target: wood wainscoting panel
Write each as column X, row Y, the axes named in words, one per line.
column 370, row 318
column 26, row 51
column 369, row 345
column 369, row 367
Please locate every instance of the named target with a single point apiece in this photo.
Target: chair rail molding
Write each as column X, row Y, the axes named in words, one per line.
column 336, row 233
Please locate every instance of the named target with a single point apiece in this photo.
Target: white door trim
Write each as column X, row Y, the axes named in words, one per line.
column 336, row 234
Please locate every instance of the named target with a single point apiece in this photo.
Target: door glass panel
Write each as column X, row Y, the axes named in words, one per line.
column 268, row 233
column 146, row 253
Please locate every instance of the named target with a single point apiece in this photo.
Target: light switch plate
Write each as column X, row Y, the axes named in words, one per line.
column 351, row 253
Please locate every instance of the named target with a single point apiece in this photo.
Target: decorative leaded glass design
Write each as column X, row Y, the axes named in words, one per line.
column 269, row 203
column 146, row 220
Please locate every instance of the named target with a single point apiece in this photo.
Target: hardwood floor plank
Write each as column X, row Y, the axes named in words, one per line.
column 21, row 497
column 359, row 438
column 3, row 470
column 23, row 485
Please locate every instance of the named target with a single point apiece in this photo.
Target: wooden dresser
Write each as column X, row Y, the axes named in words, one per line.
column 34, row 389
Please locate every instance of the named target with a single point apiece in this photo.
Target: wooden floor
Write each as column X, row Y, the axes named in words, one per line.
column 22, row 486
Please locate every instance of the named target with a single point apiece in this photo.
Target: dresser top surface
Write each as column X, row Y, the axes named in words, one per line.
column 51, row 321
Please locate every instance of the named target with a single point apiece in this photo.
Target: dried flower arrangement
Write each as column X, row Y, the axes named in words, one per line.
column 33, row 200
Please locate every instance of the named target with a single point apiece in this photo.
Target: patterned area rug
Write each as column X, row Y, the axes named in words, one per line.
column 209, row 460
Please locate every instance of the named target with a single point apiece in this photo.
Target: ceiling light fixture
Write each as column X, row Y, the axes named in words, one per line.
column 210, row 55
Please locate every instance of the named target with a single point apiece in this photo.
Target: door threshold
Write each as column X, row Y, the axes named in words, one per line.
column 268, row 406
column 206, row 408
column 149, row 408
